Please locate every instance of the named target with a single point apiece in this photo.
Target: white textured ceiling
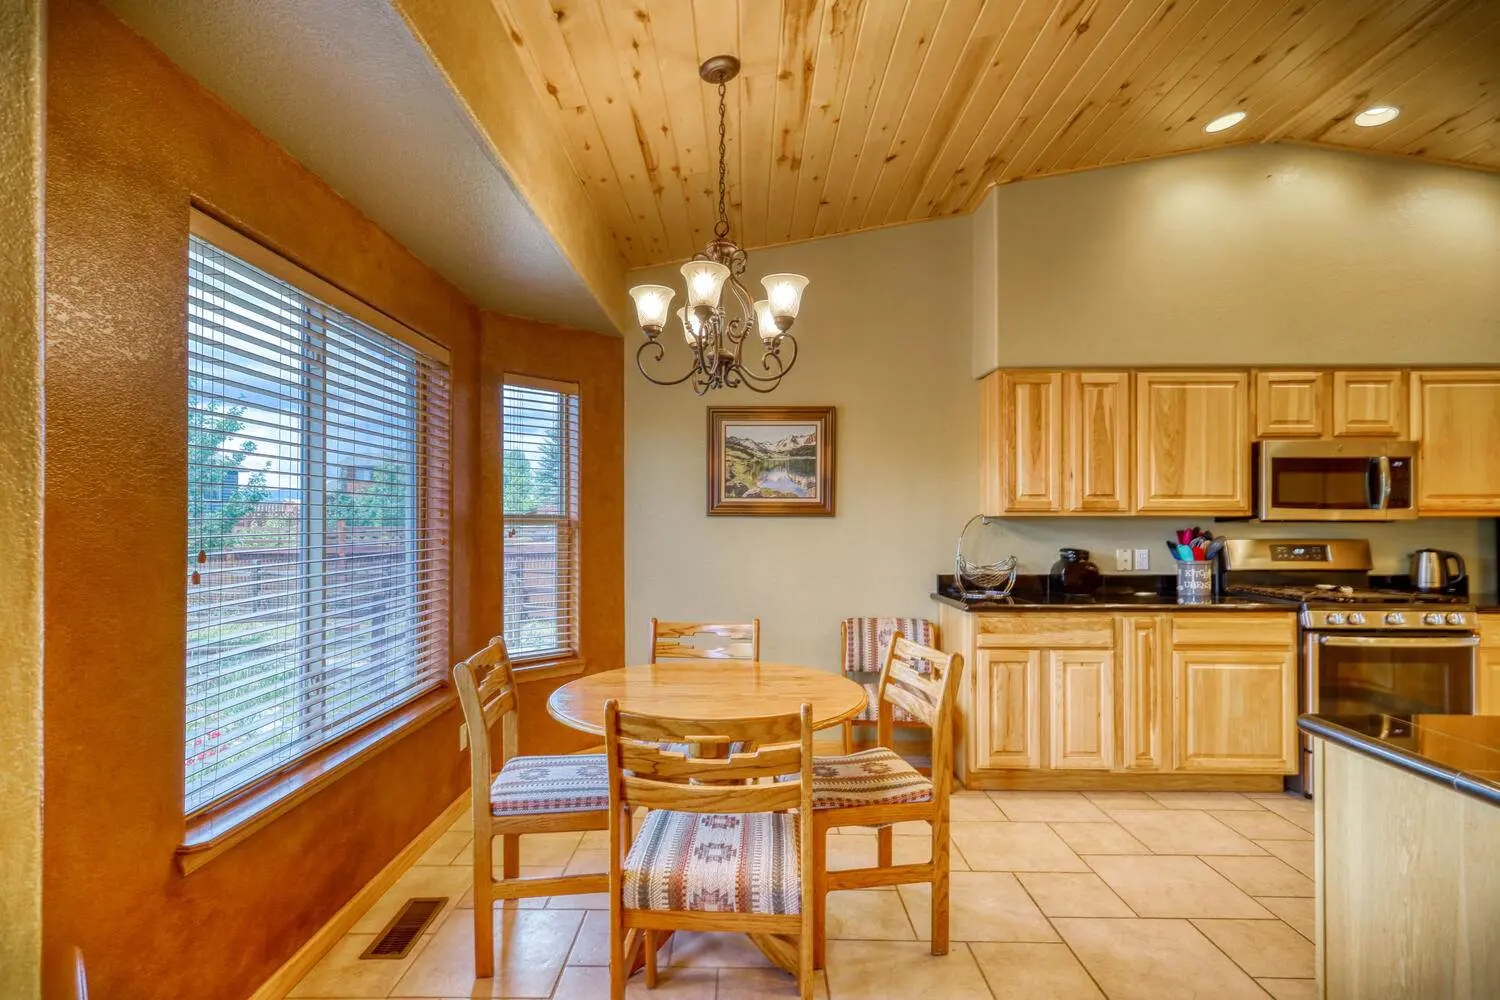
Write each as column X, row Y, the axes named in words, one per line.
column 344, row 88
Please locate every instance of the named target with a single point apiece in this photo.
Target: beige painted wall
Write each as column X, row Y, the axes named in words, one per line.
column 885, row 334
column 1256, row 255
column 1252, row 254
column 21, row 53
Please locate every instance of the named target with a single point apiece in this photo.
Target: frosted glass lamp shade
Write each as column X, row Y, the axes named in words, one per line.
column 691, row 328
column 784, row 294
column 653, row 303
column 705, row 281
column 765, row 322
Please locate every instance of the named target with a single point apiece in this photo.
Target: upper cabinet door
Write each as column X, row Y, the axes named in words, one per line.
column 1456, row 417
column 1369, row 404
column 1291, row 404
column 1192, row 442
column 1098, row 436
column 1031, row 445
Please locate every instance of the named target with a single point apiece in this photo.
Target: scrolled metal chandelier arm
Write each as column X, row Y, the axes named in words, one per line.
column 716, row 339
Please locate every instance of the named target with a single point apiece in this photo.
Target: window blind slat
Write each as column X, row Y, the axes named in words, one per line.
column 540, row 434
column 318, row 546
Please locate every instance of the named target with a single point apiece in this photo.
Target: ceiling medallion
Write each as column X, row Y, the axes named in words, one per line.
column 716, row 339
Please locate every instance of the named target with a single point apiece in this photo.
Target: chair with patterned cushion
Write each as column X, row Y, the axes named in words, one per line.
column 718, row 850
column 523, row 795
column 863, row 643
column 705, row 640
column 877, row 788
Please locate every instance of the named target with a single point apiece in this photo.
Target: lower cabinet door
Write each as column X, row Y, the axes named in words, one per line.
column 1145, row 693
column 1487, row 683
column 1235, row 710
column 1082, row 718
column 1009, row 689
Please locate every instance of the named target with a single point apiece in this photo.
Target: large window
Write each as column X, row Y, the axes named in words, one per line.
column 541, row 517
column 317, row 541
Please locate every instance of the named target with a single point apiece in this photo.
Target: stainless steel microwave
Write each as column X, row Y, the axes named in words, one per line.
column 1353, row 480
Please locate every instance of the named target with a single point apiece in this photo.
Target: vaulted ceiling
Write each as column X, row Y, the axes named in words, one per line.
column 854, row 114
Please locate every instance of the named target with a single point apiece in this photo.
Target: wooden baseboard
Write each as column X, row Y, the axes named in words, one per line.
column 1107, row 781
column 291, row 973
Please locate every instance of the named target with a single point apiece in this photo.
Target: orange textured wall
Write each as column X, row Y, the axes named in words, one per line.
column 594, row 361
column 131, row 142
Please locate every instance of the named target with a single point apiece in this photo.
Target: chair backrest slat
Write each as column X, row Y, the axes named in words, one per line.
column 653, row 761
column 764, row 729
column 924, row 682
column 778, row 796
column 487, row 695
column 705, row 640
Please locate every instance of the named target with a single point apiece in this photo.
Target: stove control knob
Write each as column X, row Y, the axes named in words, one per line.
column 1335, row 618
column 1455, row 618
column 1356, row 618
column 1395, row 618
column 1432, row 618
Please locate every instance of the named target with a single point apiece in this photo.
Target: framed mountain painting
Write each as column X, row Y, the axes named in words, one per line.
column 774, row 461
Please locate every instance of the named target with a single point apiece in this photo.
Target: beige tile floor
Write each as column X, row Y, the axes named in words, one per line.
column 1056, row 896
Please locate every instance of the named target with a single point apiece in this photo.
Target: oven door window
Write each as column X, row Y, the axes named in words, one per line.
column 1402, row 677
column 1324, row 483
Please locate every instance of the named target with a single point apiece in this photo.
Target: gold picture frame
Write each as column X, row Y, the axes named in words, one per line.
column 771, row 461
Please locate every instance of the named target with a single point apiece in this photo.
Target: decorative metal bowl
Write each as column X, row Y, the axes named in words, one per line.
column 981, row 579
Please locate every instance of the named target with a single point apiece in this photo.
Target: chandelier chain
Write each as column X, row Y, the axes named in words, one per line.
column 721, row 228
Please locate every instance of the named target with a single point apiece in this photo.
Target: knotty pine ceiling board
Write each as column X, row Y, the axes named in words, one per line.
column 856, row 114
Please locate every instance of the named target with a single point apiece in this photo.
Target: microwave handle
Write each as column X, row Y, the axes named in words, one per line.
column 1383, row 467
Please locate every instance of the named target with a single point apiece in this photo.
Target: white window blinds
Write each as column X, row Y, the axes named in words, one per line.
column 318, row 506
column 540, row 469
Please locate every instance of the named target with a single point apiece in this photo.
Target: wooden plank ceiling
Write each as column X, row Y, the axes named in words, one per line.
column 854, row 114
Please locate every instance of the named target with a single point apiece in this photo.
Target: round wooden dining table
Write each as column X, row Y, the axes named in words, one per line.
column 706, row 691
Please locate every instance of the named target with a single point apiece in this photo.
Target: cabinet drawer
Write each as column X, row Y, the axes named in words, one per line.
column 1053, row 631
column 1210, row 629
column 1489, row 631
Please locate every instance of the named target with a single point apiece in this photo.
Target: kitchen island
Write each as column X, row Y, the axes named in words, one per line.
column 1408, row 856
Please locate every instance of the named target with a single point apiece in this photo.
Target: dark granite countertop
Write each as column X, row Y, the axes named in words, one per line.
column 1119, row 593
column 1461, row 751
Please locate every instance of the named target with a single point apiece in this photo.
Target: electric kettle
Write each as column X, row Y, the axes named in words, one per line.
column 1430, row 569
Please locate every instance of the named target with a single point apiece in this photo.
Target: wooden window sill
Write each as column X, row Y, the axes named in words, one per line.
column 542, row 670
column 214, row 830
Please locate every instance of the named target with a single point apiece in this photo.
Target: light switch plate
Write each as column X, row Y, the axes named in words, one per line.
column 1142, row 558
column 1122, row 560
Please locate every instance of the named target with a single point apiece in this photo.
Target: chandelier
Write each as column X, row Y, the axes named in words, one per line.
column 717, row 339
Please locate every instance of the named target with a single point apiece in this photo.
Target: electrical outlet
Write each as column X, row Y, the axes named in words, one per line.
column 1142, row 558
column 1122, row 560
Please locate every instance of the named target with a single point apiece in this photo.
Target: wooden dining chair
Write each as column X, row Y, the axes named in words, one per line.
column 714, row 853
column 523, row 795
column 876, row 787
column 705, row 640
column 862, row 645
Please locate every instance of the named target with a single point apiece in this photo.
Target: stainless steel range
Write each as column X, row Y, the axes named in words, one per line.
column 1365, row 651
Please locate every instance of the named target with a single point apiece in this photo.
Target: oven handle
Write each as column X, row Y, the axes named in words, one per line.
column 1447, row 641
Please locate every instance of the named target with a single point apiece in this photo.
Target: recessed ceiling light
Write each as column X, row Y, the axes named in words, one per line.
column 1378, row 115
column 1222, row 122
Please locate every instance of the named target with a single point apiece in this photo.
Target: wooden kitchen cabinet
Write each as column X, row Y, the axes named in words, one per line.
column 1291, row 404
column 1456, row 419
column 1487, row 677
column 1029, row 441
column 1081, row 722
column 1369, row 404
column 1144, row 692
column 1008, row 709
column 1234, row 681
column 1097, row 459
column 1192, row 442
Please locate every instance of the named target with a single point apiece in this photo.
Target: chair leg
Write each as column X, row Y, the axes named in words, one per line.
column 617, row 960
column 484, row 908
column 848, row 738
column 940, row 862
column 651, row 959
column 820, row 895
column 511, row 866
column 806, row 965
column 885, row 842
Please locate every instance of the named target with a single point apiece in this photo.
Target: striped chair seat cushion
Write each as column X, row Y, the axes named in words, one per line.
column 869, row 713
column 563, row 784
column 868, row 778
column 739, row 863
